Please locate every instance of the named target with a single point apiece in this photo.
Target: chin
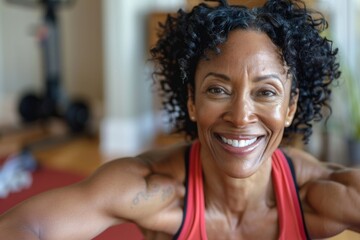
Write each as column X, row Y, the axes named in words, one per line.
column 243, row 162
column 242, row 170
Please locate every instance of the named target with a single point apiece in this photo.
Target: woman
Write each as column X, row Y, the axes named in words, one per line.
column 234, row 80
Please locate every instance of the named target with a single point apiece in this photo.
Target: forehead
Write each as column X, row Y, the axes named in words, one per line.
column 248, row 50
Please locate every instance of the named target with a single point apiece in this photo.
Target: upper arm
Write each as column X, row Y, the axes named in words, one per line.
column 139, row 194
column 123, row 190
column 337, row 198
column 330, row 194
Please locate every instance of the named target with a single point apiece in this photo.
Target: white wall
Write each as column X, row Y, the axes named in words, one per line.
column 128, row 125
column 20, row 67
column 82, row 53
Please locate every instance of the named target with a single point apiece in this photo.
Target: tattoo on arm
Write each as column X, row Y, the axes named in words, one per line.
column 153, row 191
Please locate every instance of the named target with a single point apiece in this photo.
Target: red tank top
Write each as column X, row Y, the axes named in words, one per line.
column 289, row 209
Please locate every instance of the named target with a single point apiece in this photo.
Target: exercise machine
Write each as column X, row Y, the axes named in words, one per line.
column 53, row 102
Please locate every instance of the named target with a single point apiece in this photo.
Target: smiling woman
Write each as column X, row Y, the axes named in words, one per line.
column 235, row 80
column 241, row 102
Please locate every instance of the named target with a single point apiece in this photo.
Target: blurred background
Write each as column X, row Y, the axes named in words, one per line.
column 76, row 89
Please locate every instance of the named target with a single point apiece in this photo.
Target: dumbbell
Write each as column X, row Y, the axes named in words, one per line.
column 33, row 107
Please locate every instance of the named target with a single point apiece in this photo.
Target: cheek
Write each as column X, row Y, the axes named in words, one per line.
column 207, row 113
column 273, row 116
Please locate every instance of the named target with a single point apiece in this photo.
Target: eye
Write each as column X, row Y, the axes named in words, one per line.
column 266, row 93
column 217, row 91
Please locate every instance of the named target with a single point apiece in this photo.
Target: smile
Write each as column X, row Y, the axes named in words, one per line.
column 238, row 143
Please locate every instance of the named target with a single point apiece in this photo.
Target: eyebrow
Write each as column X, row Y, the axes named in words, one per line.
column 267, row 76
column 219, row 75
column 264, row 77
column 257, row 79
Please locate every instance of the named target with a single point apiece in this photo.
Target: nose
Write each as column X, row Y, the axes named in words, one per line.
column 240, row 112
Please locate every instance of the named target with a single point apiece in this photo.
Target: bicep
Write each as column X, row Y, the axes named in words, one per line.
column 137, row 194
column 330, row 194
column 335, row 200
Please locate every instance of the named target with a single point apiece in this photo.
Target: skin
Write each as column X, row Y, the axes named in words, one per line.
column 243, row 93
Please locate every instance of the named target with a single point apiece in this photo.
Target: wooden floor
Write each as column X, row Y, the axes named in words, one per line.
column 52, row 146
column 79, row 154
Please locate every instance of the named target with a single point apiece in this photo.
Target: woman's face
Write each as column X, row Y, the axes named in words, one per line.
column 241, row 103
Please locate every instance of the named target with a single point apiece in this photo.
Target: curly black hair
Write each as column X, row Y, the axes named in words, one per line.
column 295, row 30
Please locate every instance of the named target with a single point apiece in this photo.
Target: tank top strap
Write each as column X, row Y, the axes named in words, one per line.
column 193, row 226
column 291, row 222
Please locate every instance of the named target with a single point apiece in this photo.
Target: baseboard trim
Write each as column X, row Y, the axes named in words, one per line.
column 126, row 137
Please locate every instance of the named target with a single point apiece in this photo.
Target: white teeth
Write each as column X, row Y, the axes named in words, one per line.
column 238, row 143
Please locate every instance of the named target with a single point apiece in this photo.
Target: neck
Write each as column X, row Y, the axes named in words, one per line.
column 236, row 196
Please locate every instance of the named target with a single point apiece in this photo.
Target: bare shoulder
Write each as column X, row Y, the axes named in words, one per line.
column 309, row 168
column 168, row 162
column 146, row 189
column 330, row 194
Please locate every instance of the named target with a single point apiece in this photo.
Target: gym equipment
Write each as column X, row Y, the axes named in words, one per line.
column 53, row 102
